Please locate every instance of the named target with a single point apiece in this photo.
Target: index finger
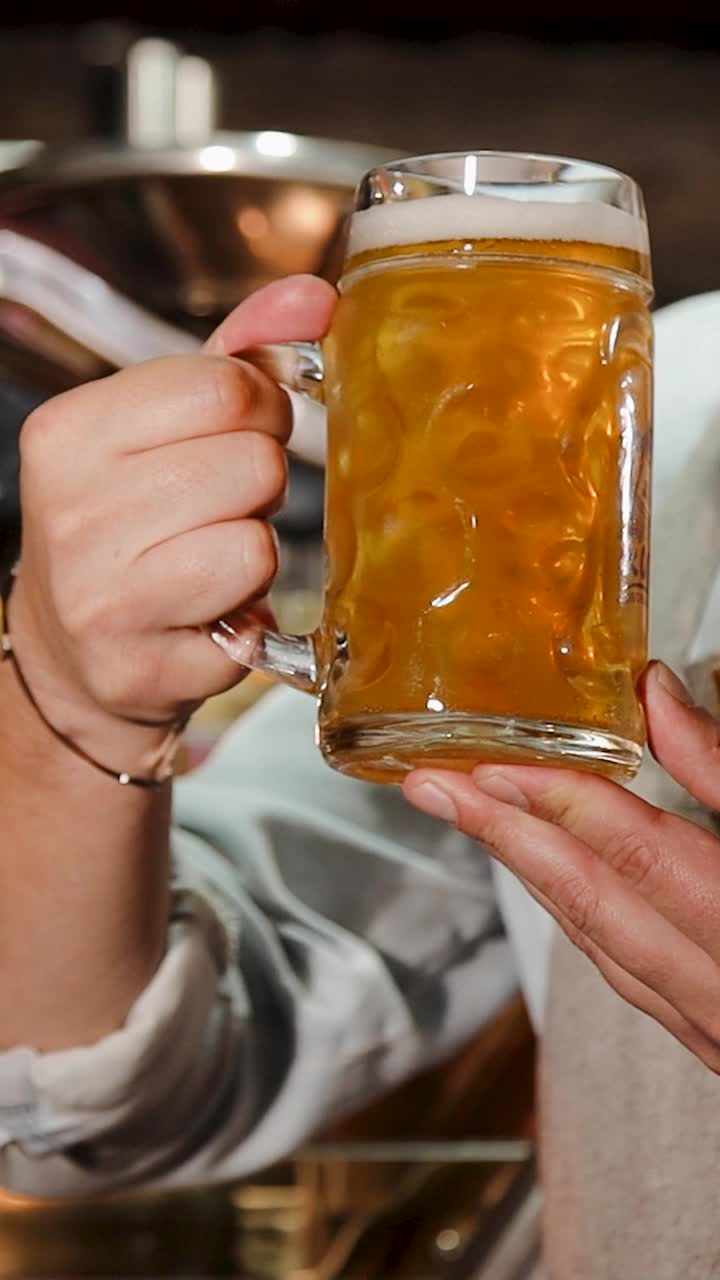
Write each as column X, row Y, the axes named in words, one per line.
column 298, row 309
column 222, row 394
column 666, row 859
column 182, row 397
column 588, row 898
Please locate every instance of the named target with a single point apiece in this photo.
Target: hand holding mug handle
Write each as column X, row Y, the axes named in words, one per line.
column 298, row 367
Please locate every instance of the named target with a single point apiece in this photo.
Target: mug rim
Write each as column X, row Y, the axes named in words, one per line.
column 587, row 169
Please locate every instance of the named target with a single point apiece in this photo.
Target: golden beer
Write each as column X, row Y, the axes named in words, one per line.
column 487, row 379
column 489, row 409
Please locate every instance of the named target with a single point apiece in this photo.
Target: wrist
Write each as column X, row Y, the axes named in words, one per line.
column 63, row 708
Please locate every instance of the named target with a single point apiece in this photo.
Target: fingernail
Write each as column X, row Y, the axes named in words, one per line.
column 433, row 800
column 672, row 685
column 494, row 783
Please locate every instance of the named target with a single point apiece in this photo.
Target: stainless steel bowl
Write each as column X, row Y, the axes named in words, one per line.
column 185, row 232
column 113, row 254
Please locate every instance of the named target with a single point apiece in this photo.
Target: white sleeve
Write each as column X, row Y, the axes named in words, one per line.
column 327, row 941
column 685, row 577
column 685, row 555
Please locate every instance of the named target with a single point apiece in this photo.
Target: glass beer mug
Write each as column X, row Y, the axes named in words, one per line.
column 487, row 379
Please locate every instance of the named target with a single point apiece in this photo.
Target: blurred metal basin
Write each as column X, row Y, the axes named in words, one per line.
column 188, row 231
column 111, row 253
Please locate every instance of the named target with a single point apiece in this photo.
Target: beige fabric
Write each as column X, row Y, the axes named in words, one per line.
column 631, row 1140
column 630, row 1119
column 630, row 1126
column 630, row 1122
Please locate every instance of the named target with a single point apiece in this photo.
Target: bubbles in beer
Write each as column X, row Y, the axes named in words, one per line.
column 413, row 543
column 374, row 446
column 367, row 663
column 341, row 549
column 412, row 355
column 475, row 456
column 474, row 505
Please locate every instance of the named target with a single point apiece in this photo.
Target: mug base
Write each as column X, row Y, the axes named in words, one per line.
column 384, row 748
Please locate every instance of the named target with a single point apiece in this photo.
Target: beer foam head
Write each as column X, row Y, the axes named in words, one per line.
column 483, row 217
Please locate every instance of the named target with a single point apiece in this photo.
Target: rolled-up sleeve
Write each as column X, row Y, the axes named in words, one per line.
column 326, row 941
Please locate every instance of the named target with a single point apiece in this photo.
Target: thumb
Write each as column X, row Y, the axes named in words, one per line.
column 684, row 738
column 297, row 309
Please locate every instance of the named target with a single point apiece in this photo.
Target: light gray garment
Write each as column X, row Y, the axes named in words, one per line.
column 328, row 941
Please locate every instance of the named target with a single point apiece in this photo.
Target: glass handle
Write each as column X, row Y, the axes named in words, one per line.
column 292, row 659
column 297, row 365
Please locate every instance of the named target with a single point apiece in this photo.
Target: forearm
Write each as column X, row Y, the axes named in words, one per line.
column 83, row 885
column 143, row 497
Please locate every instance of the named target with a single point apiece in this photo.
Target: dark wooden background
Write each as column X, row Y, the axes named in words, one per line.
column 694, row 22
column 646, row 99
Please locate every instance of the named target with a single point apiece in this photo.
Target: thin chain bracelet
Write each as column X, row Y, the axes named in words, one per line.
column 163, row 756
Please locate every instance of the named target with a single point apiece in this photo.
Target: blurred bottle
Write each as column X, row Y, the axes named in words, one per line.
column 146, row 92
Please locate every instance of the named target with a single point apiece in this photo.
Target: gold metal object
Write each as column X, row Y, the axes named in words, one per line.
column 421, row 1186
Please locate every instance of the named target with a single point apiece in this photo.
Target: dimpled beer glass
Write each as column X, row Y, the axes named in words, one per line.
column 488, row 388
